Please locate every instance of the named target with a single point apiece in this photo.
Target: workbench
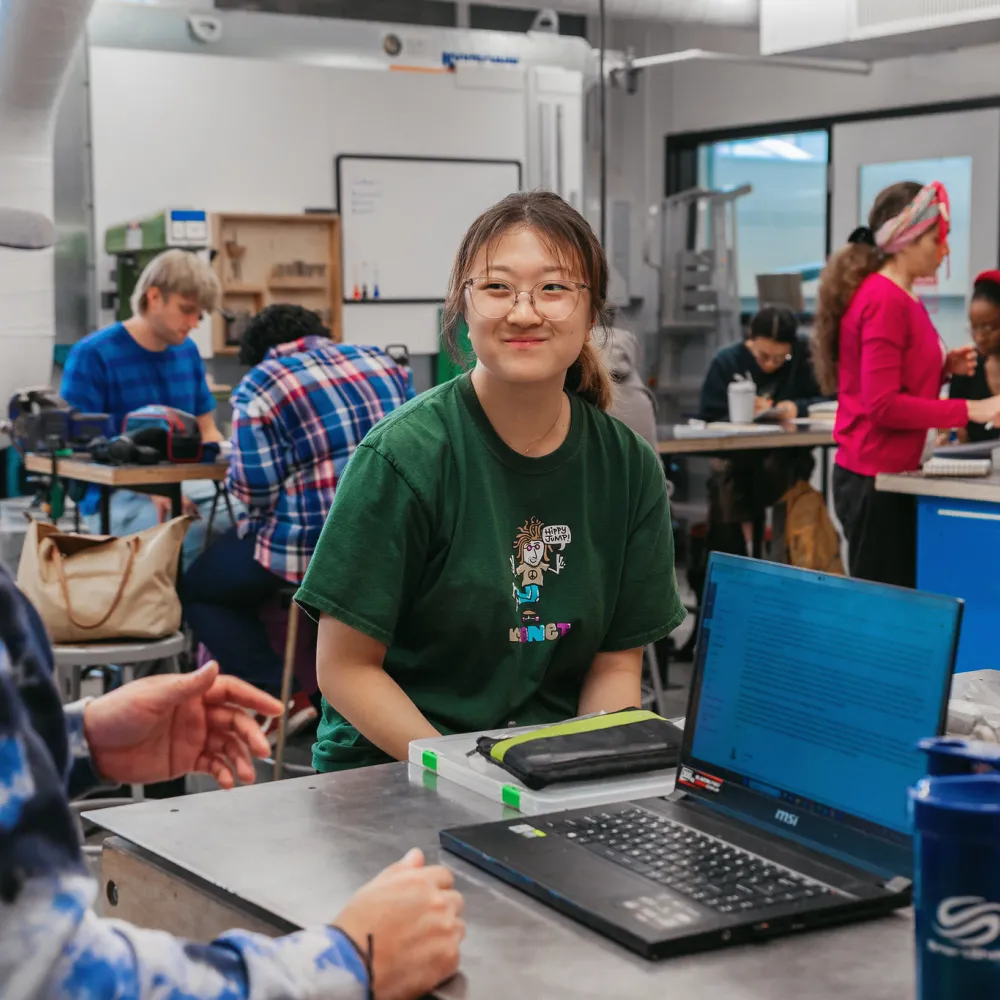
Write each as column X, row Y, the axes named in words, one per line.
column 723, row 444
column 281, row 856
column 815, row 435
column 164, row 479
column 958, row 553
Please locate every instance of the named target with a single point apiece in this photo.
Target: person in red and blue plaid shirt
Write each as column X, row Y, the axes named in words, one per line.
column 298, row 416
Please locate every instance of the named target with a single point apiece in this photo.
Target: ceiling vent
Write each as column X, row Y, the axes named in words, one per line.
column 880, row 14
column 876, row 29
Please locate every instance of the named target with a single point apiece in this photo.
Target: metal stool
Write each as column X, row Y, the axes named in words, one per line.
column 287, row 673
column 70, row 661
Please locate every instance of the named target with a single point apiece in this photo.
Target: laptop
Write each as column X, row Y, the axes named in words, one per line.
column 808, row 697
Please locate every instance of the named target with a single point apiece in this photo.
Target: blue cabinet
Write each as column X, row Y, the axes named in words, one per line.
column 958, row 554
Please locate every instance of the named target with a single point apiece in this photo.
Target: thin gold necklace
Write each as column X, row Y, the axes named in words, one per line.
column 535, row 444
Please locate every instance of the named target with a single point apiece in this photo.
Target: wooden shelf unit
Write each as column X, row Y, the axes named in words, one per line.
column 256, row 257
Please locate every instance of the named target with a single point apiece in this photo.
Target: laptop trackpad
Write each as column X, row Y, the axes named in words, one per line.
column 663, row 911
column 598, row 884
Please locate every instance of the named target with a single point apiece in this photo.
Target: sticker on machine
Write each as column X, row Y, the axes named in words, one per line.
column 699, row 779
column 526, row 831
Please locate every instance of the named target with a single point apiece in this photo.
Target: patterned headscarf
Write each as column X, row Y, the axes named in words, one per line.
column 930, row 207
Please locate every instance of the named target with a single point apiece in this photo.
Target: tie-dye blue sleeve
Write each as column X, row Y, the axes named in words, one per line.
column 82, row 777
column 52, row 944
column 54, row 947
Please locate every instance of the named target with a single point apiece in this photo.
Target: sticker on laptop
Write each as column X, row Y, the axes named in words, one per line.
column 526, row 831
column 699, row 779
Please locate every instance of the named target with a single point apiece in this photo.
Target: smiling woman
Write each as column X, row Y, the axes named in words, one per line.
column 500, row 549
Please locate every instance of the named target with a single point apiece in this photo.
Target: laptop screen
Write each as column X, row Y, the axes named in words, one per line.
column 811, row 692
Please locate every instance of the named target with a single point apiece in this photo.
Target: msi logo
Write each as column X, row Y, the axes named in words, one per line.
column 789, row 819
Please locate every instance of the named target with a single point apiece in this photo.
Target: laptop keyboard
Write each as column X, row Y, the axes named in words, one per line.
column 706, row 870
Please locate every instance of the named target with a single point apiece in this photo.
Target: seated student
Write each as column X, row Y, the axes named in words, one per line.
column 298, row 416
column 52, row 944
column 984, row 318
column 150, row 359
column 778, row 361
column 500, row 549
column 775, row 357
column 633, row 403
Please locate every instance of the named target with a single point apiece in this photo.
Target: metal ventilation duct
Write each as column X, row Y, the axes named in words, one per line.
column 876, row 29
column 737, row 13
column 37, row 42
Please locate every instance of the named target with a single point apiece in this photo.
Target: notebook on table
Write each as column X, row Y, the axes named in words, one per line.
column 809, row 695
column 957, row 468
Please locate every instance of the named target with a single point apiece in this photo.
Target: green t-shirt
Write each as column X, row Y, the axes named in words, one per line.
column 493, row 578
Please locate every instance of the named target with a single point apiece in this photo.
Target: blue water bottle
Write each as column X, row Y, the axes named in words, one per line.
column 956, row 820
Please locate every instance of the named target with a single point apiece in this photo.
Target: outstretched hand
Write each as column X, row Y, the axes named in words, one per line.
column 163, row 727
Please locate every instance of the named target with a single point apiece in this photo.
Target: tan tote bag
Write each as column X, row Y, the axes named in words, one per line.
column 93, row 587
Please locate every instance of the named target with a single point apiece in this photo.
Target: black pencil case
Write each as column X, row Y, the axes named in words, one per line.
column 601, row 746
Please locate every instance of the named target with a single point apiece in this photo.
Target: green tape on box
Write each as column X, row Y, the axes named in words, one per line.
column 430, row 759
column 510, row 795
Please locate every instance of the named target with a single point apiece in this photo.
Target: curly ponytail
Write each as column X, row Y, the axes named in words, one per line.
column 841, row 278
column 843, row 275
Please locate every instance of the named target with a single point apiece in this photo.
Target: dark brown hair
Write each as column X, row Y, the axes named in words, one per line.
column 777, row 323
column 567, row 233
column 987, row 289
column 846, row 269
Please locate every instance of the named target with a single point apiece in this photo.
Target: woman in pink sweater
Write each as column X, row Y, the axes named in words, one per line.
column 876, row 347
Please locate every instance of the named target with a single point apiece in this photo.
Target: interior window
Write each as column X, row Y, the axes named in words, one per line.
column 782, row 223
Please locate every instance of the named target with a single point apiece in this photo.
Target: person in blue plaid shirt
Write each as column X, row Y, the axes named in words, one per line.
column 298, row 416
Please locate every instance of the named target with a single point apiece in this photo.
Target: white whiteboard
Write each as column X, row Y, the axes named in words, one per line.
column 403, row 218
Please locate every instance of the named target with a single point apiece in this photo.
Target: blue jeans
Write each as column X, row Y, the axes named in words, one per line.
column 133, row 512
column 222, row 594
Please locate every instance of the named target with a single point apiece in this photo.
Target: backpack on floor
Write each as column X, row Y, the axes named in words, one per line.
column 811, row 540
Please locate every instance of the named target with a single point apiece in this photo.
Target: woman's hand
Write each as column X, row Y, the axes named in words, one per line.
column 787, row 409
column 961, row 361
column 762, row 403
column 985, row 411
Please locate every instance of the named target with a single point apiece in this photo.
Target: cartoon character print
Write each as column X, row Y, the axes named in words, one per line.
column 533, row 561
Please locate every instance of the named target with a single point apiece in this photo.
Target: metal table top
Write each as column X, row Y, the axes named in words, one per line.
column 299, row 848
column 815, row 435
column 982, row 488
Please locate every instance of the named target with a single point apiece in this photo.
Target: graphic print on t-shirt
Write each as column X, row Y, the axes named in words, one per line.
column 534, row 543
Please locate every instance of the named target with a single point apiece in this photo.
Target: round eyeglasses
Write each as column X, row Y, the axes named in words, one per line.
column 553, row 300
column 763, row 358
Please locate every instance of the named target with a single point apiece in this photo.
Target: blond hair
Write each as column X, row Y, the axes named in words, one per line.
column 178, row 272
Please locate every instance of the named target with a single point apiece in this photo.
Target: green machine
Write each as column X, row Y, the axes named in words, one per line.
column 447, row 368
column 134, row 244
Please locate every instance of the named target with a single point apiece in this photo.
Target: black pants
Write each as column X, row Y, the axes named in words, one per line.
column 222, row 594
column 881, row 529
column 740, row 489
